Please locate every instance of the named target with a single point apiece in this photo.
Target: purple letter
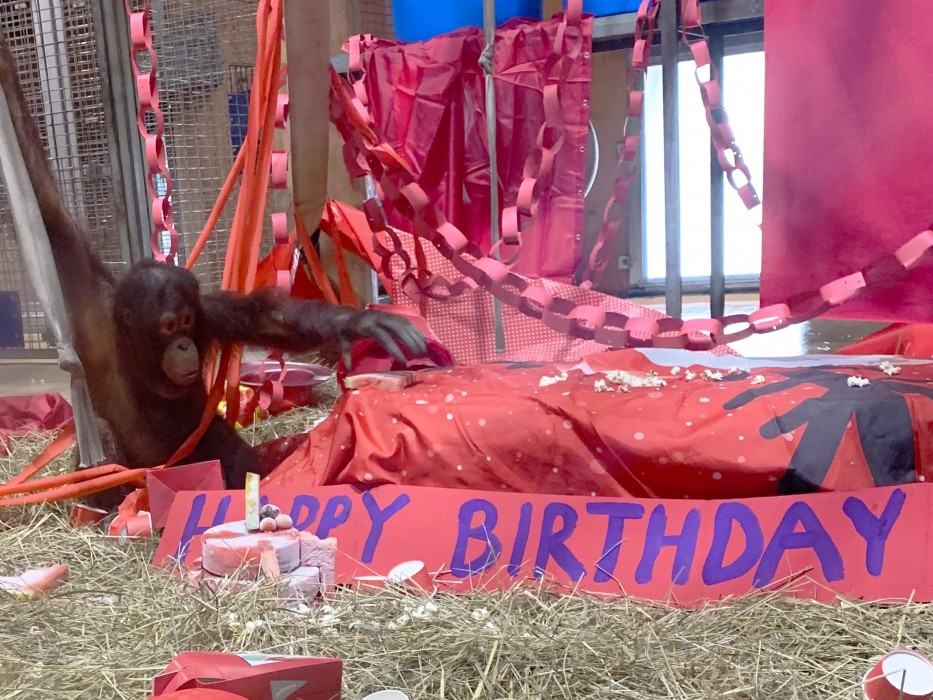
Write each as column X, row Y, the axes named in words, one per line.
column 378, row 517
column 552, row 544
column 521, row 540
column 874, row 530
column 813, row 537
column 714, row 570
column 192, row 529
column 311, row 505
column 483, row 531
column 656, row 540
column 336, row 513
column 617, row 513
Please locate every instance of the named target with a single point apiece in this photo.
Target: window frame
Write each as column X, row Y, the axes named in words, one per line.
column 748, row 41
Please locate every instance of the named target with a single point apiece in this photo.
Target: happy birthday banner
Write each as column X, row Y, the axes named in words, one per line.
column 872, row 544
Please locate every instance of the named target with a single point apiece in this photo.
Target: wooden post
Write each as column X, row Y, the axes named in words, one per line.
column 307, row 34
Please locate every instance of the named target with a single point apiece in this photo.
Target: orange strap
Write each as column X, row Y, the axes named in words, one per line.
column 64, row 440
column 314, row 261
column 218, row 209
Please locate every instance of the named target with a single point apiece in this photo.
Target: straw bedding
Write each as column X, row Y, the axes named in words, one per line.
column 117, row 623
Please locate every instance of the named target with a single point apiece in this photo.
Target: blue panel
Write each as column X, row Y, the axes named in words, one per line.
column 11, row 321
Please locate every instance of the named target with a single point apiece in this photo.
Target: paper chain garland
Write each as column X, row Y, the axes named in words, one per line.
column 147, row 92
column 367, row 153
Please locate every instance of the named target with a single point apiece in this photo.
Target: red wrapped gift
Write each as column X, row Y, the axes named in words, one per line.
column 254, row 676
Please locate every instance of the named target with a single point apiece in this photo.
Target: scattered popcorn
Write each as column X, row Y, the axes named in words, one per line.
column 627, row 380
column 711, row 376
column 889, row 369
column 420, row 612
column 734, row 370
column 675, row 371
column 481, row 614
column 857, row 381
column 551, row 381
column 601, row 387
column 253, row 625
column 758, row 379
column 690, row 376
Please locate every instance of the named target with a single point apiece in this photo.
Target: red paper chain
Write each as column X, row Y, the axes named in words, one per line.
column 147, row 93
column 367, row 152
column 728, row 153
column 615, row 214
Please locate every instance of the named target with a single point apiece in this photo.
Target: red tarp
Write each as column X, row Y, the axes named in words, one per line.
column 428, row 100
column 847, row 148
column 23, row 414
column 492, row 427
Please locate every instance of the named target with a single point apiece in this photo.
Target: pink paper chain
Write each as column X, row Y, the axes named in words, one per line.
column 147, row 93
column 367, row 152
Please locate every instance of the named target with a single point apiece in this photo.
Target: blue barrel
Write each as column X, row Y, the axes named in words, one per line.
column 417, row 20
column 604, row 8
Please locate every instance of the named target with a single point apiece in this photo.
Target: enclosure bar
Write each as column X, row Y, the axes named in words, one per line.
column 717, row 202
column 489, row 24
column 62, row 144
column 670, row 43
column 372, row 280
column 621, row 27
column 40, row 265
column 307, row 36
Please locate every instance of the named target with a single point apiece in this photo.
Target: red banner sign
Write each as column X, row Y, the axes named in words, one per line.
column 872, row 544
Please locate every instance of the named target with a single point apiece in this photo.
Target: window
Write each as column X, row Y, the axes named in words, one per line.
column 743, row 94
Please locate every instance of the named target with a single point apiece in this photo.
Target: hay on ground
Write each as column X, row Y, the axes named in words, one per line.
column 117, row 623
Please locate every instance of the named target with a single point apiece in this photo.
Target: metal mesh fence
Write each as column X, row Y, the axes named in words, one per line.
column 55, row 46
column 206, row 51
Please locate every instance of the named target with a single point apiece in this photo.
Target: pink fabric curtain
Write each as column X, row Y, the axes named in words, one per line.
column 847, row 149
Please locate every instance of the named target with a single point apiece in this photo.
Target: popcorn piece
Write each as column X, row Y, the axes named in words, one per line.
column 889, row 369
column 551, row 381
column 758, row 379
column 627, row 380
column 690, row 376
column 601, row 387
column 675, row 371
column 857, row 382
column 711, row 376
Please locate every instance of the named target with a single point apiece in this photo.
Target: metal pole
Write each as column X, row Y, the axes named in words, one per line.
column 372, row 291
column 37, row 256
column 673, row 286
column 488, row 62
column 717, row 204
column 127, row 154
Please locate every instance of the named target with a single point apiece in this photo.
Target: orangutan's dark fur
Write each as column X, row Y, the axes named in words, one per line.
column 143, row 340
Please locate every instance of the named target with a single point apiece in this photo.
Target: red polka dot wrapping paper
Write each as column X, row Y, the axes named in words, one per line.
column 758, row 431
